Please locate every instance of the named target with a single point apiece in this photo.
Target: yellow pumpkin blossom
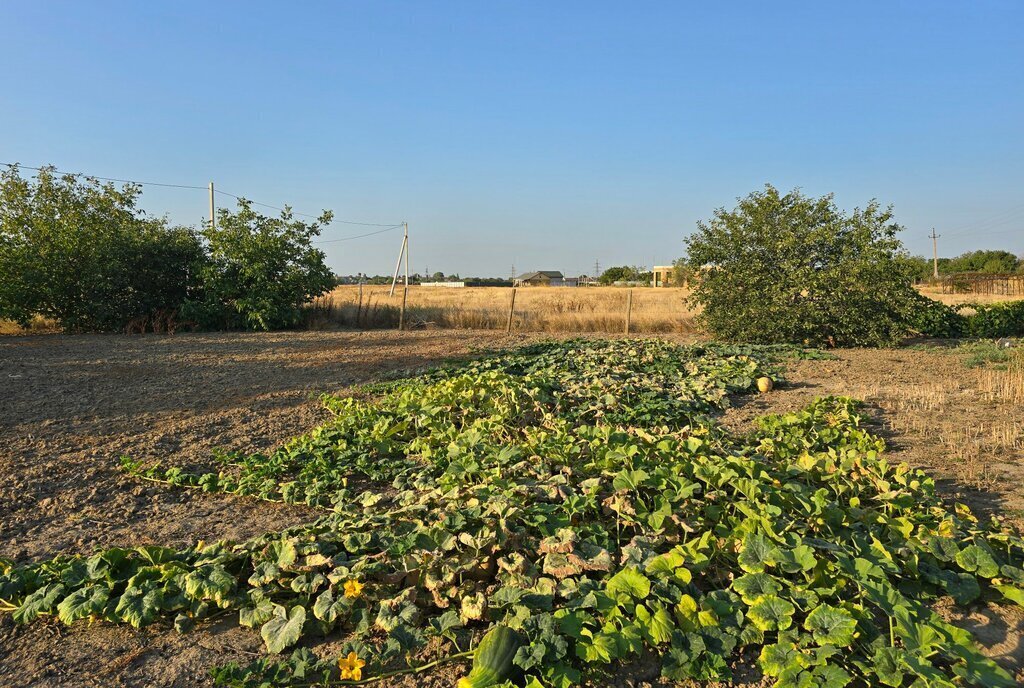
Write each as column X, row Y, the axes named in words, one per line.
column 351, row 667
column 353, row 589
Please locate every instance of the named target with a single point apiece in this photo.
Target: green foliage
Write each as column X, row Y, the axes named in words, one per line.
column 81, row 252
column 625, row 273
column 682, row 273
column 988, row 321
column 581, row 495
column 261, row 270
column 986, row 262
column 796, row 269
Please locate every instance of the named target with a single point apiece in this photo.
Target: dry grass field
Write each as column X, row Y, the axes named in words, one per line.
column 537, row 309
column 954, row 299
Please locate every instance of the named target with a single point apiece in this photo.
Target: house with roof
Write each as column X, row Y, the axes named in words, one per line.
column 540, row 278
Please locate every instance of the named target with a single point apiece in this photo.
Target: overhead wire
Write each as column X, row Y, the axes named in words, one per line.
column 105, row 179
column 388, row 227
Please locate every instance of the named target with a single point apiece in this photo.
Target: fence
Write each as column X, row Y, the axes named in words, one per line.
column 982, row 283
column 449, row 285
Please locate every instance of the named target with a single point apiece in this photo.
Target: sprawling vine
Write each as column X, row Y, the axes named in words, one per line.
column 581, row 494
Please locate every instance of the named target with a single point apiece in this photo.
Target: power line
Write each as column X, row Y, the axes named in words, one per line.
column 274, row 207
column 105, row 179
column 1000, row 218
column 358, row 236
column 204, row 188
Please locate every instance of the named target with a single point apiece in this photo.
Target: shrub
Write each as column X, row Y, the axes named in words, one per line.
column 934, row 319
column 996, row 320
column 983, row 321
column 796, row 269
column 80, row 252
column 261, row 271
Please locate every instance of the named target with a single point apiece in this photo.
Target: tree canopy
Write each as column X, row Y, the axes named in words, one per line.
column 791, row 268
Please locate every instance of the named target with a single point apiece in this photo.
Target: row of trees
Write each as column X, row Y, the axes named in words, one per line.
column 82, row 253
column 989, row 262
column 625, row 273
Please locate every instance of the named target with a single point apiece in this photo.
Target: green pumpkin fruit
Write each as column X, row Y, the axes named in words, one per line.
column 492, row 660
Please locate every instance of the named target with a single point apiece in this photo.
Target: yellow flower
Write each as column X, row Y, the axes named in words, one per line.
column 351, row 667
column 353, row 589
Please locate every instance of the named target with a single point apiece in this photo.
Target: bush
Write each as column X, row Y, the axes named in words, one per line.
column 986, row 321
column 81, row 253
column 996, row 320
column 796, row 269
column 934, row 319
column 261, row 271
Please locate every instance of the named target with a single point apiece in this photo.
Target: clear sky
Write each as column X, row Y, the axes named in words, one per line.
column 546, row 135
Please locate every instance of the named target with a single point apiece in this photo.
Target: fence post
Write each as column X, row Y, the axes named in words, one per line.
column 511, row 310
column 401, row 313
column 629, row 308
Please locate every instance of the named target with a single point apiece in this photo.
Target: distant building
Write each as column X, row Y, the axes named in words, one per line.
column 540, row 278
column 661, row 275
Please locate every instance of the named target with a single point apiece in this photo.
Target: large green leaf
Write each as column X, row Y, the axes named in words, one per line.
column 771, row 613
column 139, row 605
column 210, row 582
column 82, row 603
column 629, row 583
column 755, row 553
column 831, row 625
column 657, row 625
column 283, row 630
column 751, row 586
column 38, row 602
column 974, row 559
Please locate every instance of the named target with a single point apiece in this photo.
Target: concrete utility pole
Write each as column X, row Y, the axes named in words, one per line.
column 935, row 253
column 398, row 266
column 213, row 222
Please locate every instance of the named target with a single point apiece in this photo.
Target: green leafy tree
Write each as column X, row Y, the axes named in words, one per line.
column 681, row 272
column 984, row 261
column 989, row 262
column 81, row 252
column 790, row 268
column 624, row 273
column 261, row 270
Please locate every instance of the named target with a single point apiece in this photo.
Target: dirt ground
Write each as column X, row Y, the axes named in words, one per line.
column 70, row 406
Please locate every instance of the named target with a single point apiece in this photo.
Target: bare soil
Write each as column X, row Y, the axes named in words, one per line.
column 70, row 406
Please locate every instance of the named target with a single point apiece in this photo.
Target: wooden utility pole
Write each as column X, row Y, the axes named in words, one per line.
column 398, row 265
column 213, row 222
column 935, row 253
column 511, row 311
column 629, row 308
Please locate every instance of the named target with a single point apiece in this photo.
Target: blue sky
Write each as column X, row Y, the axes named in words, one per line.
column 546, row 135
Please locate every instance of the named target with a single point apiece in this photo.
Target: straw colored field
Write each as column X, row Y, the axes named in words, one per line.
column 537, row 309
column 953, row 299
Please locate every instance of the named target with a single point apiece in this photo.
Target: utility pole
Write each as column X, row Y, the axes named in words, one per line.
column 935, row 253
column 398, row 266
column 597, row 269
column 213, row 222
